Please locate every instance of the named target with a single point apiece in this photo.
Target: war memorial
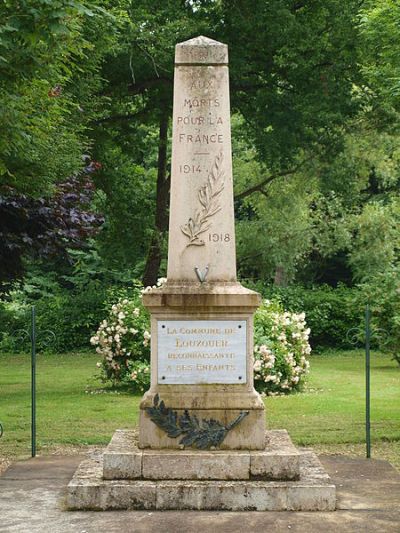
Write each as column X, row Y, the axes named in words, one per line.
column 203, row 442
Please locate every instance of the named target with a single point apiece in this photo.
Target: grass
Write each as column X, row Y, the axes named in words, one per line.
column 74, row 410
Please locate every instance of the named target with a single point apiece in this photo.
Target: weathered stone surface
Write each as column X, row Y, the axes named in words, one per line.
column 201, row 50
column 202, row 284
column 222, row 402
column 278, row 461
column 32, row 494
column 249, row 434
column 201, row 227
column 218, row 495
column 122, row 459
column 313, row 492
column 202, row 297
column 303, row 496
column 195, row 465
column 88, row 490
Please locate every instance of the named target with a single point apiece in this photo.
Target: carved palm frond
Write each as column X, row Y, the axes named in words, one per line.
column 208, row 197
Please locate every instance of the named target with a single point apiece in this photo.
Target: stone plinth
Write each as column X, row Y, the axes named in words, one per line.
column 279, row 460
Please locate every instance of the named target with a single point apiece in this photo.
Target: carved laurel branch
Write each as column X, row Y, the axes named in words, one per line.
column 202, row 434
column 208, row 196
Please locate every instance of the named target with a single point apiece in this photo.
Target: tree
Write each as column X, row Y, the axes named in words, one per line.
column 303, row 86
column 41, row 123
column 45, row 228
column 379, row 52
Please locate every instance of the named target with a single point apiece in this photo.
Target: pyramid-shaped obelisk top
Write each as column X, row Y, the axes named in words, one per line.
column 201, row 50
column 201, row 224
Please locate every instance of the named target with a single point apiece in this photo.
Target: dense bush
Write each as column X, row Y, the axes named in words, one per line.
column 281, row 349
column 383, row 293
column 123, row 342
column 75, row 309
column 70, row 305
column 330, row 312
column 71, row 315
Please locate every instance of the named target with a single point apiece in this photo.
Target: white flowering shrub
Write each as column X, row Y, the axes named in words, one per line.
column 281, row 349
column 123, row 342
column 280, row 353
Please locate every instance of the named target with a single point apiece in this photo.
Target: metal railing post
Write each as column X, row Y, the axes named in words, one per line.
column 33, row 381
column 367, row 381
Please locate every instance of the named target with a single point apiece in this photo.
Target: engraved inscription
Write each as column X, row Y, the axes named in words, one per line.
column 201, row 215
column 201, row 139
column 189, row 169
column 219, row 237
column 201, row 351
column 199, row 121
column 202, row 84
column 199, row 53
column 201, row 102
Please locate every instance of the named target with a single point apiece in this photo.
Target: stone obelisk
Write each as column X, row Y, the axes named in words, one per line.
column 201, row 228
column 202, row 319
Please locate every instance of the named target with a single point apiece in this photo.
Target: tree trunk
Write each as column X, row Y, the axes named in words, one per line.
column 154, row 255
column 280, row 276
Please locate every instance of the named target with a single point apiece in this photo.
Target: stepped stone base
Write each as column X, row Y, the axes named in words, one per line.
column 313, row 490
column 278, row 461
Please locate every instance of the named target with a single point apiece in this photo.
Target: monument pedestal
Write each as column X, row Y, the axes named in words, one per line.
column 184, row 315
column 251, row 469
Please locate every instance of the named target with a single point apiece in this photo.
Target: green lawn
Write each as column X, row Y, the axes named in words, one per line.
column 73, row 409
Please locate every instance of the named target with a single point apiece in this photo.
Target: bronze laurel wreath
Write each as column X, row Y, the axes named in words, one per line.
column 202, row 434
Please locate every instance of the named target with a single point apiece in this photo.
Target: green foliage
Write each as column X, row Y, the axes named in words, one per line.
column 315, row 132
column 379, row 25
column 42, row 124
column 70, row 304
column 71, row 315
column 36, row 148
column 293, row 96
column 377, row 238
column 292, row 84
column 330, row 312
column 382, row 291
column 278, row 235
column 127, row 203
column 137, row 377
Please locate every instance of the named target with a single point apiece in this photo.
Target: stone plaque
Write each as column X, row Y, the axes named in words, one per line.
column 201, row 351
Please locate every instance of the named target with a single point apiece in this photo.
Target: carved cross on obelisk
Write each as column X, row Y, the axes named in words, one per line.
column 201, row 230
